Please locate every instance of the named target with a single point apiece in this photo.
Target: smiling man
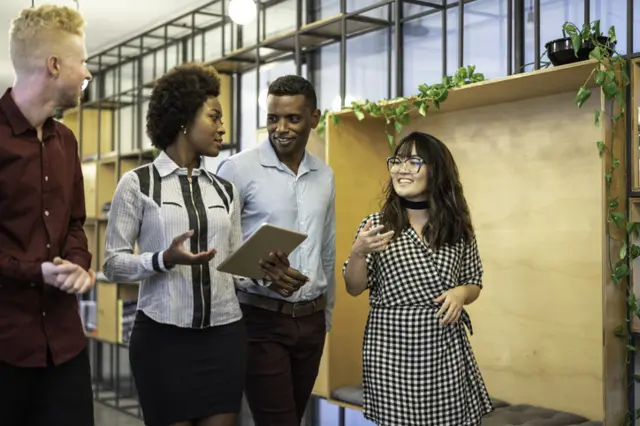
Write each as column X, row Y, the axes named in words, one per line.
column 45, row 377
column 281, row 183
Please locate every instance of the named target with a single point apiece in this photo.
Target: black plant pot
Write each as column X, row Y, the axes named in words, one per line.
column 560, row 51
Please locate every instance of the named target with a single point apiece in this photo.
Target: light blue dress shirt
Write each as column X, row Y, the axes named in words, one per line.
column 269, row 192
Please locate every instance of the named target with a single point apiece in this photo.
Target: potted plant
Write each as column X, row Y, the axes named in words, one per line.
column 576, row 44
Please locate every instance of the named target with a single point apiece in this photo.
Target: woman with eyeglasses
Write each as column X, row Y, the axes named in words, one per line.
column 419, row 259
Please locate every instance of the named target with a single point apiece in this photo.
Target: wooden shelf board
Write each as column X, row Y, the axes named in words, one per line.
column 513, row 88
column 634, row 209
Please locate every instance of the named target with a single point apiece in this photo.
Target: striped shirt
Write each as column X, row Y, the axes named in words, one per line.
column 270, row 192
column 152, row 205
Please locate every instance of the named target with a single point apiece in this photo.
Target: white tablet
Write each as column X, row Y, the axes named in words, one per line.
column 266, row 239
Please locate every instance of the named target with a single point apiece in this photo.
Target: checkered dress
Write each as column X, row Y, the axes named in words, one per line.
column 417, row 372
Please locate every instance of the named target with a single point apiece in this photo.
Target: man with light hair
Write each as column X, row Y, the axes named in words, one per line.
column 45, row 376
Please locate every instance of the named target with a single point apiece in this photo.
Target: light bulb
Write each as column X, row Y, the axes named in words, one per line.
column 242, row 11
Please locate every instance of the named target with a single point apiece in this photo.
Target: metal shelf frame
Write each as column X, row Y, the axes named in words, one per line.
column 302, row 44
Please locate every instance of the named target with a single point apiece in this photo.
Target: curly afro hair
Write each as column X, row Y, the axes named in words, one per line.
column 175, row 99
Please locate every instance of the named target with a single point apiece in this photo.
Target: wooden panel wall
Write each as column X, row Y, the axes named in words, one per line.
column 532, row 176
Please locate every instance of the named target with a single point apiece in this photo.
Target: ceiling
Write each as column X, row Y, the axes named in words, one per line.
column 108, row 22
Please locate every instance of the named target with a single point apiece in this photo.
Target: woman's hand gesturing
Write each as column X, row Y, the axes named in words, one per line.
column 176, row 254
column 370, row 240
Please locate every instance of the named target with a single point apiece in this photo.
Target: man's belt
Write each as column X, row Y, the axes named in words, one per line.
column 296, row 310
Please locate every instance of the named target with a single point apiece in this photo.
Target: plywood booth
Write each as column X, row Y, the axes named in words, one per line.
column 544, row 323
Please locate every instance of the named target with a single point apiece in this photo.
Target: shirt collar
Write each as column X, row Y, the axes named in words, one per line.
column 166, row 166
column 269, row 158
column 18, row 122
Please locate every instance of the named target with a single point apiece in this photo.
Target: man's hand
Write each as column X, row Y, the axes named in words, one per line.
column 76, row 281
column 284, row 279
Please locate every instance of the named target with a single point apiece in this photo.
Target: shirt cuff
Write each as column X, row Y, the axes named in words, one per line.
column 155, row 262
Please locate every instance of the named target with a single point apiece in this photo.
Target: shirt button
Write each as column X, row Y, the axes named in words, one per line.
column 44, row 314
column 46, row 178
column 48, row 245
column 46, row 212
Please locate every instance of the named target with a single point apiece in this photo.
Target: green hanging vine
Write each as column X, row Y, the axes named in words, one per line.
column 397, row 112
column 611, row 76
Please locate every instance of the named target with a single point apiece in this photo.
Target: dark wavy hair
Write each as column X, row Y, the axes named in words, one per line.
column 449, row 217
column 175, row 99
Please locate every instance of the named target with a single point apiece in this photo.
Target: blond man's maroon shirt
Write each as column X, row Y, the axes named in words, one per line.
column 42, row 213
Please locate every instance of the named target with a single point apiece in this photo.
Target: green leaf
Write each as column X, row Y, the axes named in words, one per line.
column 620, row 100
column 619, row 331
column 398, row 126
column 601, row 147
column 612, row 34
column 424, row 109
column 436, row 105
column 620, row 272
column 582, row 96
column 610, row 89
column 636, row 378
column 634, row 251
column 615, row 163
column 623, row 251
column 576, row 40
column 596, row 53
column 632, row 302
column 404, row 118
column 477, row 77
column 471, row 69
column 614, row 203
column 375, row 110
column 596, row 117
column 359, row 114
column 601, row 77
column 618, row 219
column 607, row 177
column 390, row 139
column 336, row 120
column 631, row 348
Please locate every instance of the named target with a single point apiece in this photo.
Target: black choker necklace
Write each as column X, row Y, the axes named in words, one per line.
column 414, row 205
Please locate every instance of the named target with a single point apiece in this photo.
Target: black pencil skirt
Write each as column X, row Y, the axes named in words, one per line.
column 186, row 374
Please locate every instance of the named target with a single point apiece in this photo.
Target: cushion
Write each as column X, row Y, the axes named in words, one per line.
column 528, row 415
column 349, row 394
column 502, row 415
column 353, row 395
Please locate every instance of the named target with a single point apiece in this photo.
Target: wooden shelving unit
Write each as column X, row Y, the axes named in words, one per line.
column 533, row 178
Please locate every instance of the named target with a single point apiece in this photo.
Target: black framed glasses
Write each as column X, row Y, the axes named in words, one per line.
column 411, row 165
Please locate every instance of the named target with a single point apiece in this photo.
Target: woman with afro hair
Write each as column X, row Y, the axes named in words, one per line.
column 188, row 344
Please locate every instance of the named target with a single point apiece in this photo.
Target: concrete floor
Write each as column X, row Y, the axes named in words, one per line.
column 107, row 416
